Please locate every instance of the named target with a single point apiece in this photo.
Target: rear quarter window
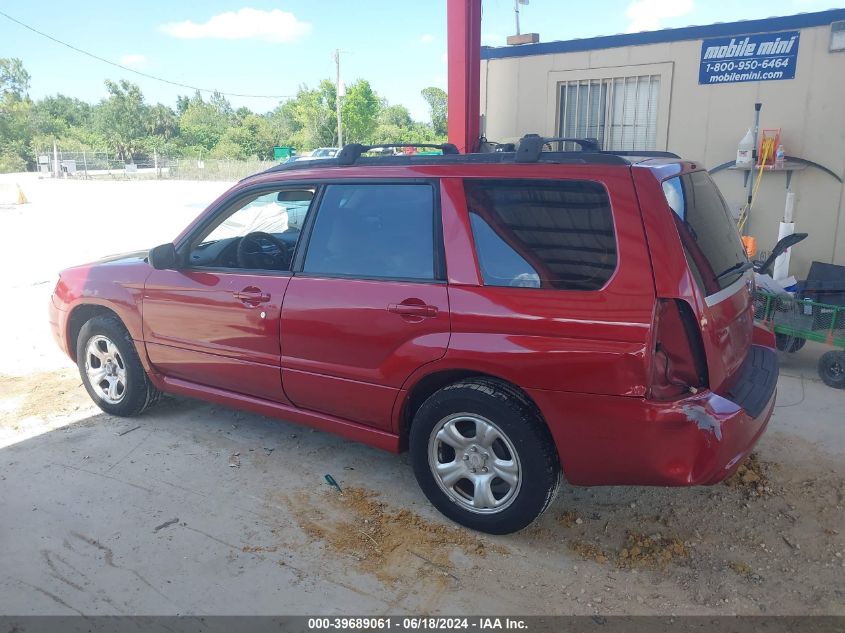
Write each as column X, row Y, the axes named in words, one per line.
column 708, row 233
column 542, row 234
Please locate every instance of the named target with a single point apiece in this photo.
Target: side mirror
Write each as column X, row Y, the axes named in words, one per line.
column 163, row 257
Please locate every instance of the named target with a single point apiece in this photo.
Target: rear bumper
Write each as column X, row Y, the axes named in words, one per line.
column 610, row 440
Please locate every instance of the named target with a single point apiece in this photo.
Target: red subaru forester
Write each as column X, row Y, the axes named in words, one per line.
column 508, row 317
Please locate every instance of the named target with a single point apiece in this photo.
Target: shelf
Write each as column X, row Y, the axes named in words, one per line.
column 788, row 167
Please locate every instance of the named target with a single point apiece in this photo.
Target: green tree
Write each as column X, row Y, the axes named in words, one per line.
column 394, row 125
column 311, row 115
column 253, row 138
column 57, row 115
column 182, row 103
column 162, row 121
column 15, row 116
column 121, row 118
column 203, row 124
column 437, row 105
column 397, row 115
column 13, row 77
column 359, row 112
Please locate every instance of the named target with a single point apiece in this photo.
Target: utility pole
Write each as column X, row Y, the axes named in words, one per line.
column 339, row 92
column 519, row 38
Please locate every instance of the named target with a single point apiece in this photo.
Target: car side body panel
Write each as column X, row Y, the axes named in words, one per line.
column 197, row 329
column 340, row 337
column 591, row 341
column 115, row 283
column 343, row 427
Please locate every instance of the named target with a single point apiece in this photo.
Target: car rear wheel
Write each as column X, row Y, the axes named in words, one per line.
column 110, row 368
column 832, row 369
column 483, row 456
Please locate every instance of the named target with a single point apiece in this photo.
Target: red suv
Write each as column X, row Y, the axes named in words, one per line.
column 509, row 317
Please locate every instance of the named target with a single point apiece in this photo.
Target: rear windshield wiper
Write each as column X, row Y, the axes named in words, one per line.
column 739, row 267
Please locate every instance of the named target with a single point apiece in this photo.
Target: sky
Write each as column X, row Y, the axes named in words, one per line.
column 260, row 47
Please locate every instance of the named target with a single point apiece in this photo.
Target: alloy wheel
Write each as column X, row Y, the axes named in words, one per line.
column 474, row 463
column 105, row 369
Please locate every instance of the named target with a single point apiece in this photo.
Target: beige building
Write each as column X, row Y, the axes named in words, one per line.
column 692, row 91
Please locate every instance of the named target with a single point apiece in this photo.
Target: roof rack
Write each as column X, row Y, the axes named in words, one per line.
column 352, row 152
column 531, row 146
column 529, row 150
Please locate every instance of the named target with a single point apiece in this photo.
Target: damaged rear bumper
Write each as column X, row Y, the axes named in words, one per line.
column 699, row 440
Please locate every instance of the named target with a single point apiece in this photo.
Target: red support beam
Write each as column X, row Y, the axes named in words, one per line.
column 464, row 51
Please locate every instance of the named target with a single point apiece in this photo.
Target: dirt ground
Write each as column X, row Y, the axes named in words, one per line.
column 193, row 508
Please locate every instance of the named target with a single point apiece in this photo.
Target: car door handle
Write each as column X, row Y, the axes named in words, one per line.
column 252, row 296
column 413, row 309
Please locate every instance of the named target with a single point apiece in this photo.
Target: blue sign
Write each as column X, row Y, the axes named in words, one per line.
column 761, row 57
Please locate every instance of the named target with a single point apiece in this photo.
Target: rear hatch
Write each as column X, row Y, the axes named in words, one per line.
column 716, row 258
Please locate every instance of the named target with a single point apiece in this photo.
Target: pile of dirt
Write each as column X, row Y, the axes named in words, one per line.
column 637, row 551
column 652, row 552
column 384, row 541
column 588, row 551
column 751, row 478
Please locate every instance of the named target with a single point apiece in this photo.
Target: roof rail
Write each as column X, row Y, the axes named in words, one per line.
column 352, row 152
column 644, row 153
column 531, row 146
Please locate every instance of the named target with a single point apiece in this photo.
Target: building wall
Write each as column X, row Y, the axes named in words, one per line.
column 706, row 122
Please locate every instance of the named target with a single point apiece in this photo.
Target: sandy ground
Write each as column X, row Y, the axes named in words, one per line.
column 192, row 508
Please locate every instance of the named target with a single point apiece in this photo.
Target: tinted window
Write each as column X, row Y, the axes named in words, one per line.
column 374, row 231
column 542, row 234
column 710, row 238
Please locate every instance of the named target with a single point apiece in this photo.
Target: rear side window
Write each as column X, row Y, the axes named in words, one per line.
column 711, row 241
column 542, row 233
column 374, row 231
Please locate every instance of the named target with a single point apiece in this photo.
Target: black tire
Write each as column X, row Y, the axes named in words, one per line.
column 789, row 344
column 832, row 369
column 487, row 402
column 138, row 392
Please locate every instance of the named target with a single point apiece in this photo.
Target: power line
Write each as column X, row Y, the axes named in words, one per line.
column 138, row 72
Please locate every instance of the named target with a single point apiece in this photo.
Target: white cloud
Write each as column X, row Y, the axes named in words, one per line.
column 492, row 39
column 445, row 58
column 428, row 38
column 648, row 15
column 133, row 59
column 246, row 23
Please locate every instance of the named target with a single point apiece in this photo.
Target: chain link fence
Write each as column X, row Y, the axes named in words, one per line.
column 101, row 165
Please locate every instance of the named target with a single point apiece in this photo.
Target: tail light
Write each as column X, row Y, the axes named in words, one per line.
column 678, row 364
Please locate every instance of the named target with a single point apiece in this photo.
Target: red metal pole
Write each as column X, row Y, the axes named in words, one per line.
column 464, row 51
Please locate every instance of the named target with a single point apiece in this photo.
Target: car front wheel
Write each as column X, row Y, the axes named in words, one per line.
column 483, row 456
column 110, row 368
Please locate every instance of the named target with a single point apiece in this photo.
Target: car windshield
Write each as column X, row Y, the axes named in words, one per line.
column 711, row 241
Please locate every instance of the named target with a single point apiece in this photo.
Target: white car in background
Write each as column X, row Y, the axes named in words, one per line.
column 324, row 152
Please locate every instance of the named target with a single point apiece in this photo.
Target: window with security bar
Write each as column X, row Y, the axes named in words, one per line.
column 621, row 112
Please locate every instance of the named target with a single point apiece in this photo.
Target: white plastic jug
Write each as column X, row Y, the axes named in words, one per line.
column 745, row 150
